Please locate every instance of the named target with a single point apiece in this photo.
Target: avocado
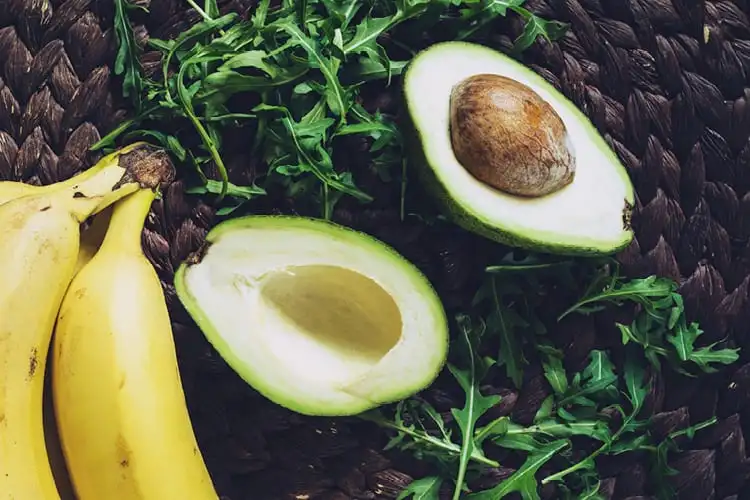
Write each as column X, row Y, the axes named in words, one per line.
column 317, row 317
column 509, row 157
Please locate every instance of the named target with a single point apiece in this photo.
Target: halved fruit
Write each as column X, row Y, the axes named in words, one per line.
column 509, row 157
column 317, row 317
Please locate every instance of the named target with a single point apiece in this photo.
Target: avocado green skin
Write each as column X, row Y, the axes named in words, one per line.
column 452, row 208
column 287, row 400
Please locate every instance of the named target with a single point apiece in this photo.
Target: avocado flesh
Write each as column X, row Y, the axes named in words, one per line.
column 589, row 216
column 318, row 318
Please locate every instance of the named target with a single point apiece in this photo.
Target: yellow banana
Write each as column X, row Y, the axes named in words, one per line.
column 91, row 239
column 121, row 413
column 38, row 254
column 10, row 190
column 52, row 441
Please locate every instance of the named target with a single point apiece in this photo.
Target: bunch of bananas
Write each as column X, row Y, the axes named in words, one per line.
column 95, row 304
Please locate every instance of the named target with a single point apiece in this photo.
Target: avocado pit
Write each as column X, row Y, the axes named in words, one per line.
column 508, row 137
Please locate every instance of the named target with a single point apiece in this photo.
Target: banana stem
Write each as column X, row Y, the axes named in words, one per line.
column 136, row 167
column 11, row 190
column 127, row 221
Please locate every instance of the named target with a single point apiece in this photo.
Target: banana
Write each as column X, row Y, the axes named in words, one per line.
column 39, row 246
column 92, row 238
column 52, row 442
column 121, row 412
column 10, row 190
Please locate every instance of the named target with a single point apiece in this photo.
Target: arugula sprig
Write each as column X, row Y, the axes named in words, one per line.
column 580, row 405
column 427, row 440
column 476, row 404
column 290, row 75
column 660, row 326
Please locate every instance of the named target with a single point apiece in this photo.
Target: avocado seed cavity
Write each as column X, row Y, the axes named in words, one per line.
column 507, row 136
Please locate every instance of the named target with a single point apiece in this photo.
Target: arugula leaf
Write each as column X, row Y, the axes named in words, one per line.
column 417, row 437
column 683, row 339
column 600, row 371
column 552, row 363
column 635, row 385
column 636, row 391
column 523, row 480
column 336, row 96
column 240, row 194
column 659, row 323
column 507, row 434
column 651, row 293
column 426, row 488
column 660, row 469
column 534, row 28
column 475, row 405
column 127, row 63
column 505, row 321
column 706, row 355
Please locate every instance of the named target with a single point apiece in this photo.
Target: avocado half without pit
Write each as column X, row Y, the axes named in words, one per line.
column 317, row 317
column 510, row 157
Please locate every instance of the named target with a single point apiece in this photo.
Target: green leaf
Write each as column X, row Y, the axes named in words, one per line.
column 342, row 10
column 416, row 437
column 335, row 93
column 650, row 292
column 475, row 405
column 536, row 27
column 507, row 434
column 554, row 372
column 600, row 368
column 635, row 384
column 704, row 356
column 214, row 187
column 426, row 488
column 683, row 339
column 366, row 34
column 523, row 480
column 366, row 70
column 127, row 63
column 504, row 322
column 192, row 35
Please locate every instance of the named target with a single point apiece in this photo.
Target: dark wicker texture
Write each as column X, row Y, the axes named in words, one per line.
column 676, row 109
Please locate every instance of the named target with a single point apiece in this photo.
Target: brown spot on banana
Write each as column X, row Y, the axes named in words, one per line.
column 122, row 451
column 33, row 362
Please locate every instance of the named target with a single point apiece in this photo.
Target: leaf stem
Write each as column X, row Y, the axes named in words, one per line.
column 205, row 137
column 199, row 10
column 584, row 463
column 451, row 448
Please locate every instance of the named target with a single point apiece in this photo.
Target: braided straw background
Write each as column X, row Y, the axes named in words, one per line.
column 666, row 82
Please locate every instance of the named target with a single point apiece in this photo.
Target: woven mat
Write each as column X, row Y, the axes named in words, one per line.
column 666, row 82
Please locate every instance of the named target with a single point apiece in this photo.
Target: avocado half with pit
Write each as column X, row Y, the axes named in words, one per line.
column 317, row 317
column 511, row 158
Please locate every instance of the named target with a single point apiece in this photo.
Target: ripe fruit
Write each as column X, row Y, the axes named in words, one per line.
column 38, row 254
column 117, row 391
